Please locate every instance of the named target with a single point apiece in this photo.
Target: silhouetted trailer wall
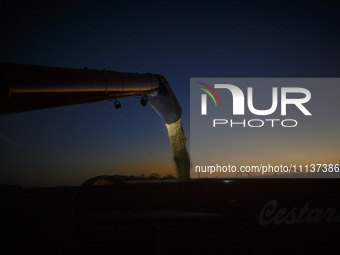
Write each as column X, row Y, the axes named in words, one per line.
column 212, row 215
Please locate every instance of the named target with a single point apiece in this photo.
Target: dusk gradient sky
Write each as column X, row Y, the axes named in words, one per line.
column 68, row 145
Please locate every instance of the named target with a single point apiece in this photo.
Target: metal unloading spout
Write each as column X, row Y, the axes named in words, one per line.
column 29, row 87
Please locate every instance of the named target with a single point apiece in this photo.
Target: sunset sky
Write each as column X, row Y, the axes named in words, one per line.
column 180, row 40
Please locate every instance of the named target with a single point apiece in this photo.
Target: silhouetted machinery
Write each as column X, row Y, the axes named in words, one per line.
column 27, row 87
column 171, row 217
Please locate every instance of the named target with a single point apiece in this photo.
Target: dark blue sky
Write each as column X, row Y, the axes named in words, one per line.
column 178, row 40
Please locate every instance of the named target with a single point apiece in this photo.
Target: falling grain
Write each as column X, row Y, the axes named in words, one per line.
column 180, row 153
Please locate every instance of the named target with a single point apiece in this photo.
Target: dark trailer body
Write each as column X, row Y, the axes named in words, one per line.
column 212, row 216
